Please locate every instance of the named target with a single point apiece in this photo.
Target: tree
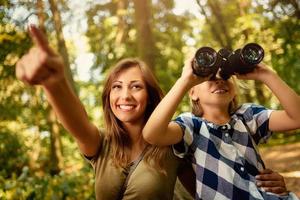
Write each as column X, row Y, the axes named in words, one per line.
column 145, row 40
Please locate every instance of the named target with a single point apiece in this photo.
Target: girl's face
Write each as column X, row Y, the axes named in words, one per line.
column 216, row 92
column 129, row 96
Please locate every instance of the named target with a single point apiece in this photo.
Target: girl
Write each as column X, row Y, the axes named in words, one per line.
column 219, row 139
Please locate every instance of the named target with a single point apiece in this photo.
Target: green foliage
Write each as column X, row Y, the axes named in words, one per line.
column 285, row 58
column 25, row 128
column 170, row 34
column 13, row 156
column 13, row 44
column 283, row 138
column 75, row 185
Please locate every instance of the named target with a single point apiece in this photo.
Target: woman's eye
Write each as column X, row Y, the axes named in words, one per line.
column 137, row 87
column 115, row 87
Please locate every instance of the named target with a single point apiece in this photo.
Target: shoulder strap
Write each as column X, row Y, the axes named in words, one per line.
column 131, row 169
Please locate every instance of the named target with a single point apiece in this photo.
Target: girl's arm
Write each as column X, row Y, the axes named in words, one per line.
column 159, row 130
column 289, row 117
column 44, row 67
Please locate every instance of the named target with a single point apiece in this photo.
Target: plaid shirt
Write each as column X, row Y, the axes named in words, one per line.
column 225, row 157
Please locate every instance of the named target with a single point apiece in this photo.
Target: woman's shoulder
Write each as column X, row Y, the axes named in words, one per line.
column 103, row 149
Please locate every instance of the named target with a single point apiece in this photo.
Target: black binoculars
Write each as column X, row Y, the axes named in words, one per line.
column 241, row 61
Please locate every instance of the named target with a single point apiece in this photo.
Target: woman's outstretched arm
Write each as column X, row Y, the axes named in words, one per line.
column 42, row 66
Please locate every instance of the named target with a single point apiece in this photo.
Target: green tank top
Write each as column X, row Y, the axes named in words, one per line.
column 144, row 183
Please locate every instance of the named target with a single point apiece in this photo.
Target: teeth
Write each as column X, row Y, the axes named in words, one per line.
column 126, row 107
column 220, row 91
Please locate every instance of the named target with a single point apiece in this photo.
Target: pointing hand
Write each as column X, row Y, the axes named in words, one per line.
column 41, row 65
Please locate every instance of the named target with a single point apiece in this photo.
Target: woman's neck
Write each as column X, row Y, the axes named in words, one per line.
column 135, row 133
column 217, row 115
column 138, row 143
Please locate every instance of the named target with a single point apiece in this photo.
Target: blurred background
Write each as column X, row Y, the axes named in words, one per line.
column 39, row 159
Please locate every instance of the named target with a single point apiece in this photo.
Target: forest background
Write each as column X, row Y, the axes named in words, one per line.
column 39, row 159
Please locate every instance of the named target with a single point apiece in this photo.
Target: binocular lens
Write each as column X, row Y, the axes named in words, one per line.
column 205, row 59
column 206, row 56
column 252, row 53
column 205, row 62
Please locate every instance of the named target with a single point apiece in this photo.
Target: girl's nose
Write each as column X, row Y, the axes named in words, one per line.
column 216, row 76
column 219, row 80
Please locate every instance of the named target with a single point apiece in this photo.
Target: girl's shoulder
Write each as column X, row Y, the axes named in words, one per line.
column 249, row 108
column 187, row 116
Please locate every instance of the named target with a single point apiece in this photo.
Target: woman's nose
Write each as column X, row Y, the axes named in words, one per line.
column 125, row 93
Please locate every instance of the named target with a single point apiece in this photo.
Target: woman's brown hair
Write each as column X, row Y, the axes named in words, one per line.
column 116, row 134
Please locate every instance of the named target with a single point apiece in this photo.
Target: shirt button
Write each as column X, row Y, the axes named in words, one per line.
column 226, row 134
column 242, row 169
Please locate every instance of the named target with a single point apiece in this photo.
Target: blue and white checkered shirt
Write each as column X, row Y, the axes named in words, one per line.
column 225, row 157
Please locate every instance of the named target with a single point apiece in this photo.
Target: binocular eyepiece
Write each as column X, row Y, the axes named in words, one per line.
column 207, row 61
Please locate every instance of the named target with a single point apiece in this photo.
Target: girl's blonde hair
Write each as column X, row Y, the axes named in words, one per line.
column 116, row 134
column 233, row 105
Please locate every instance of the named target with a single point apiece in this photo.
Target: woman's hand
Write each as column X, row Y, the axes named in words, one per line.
column 41, row 65
column 271, row 182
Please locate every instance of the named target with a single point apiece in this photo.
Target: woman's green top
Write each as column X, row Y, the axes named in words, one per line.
column 144, row 183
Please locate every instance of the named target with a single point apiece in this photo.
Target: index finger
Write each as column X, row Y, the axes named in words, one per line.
column 266, row 171
column 40, row 39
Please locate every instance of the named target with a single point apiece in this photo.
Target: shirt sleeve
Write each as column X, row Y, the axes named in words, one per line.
column 93, row 159
column 189, row 125
column 256, row 118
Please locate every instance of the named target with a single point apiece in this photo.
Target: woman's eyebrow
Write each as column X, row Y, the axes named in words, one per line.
column 117, row 81
column 131, row 82
column 134, row 81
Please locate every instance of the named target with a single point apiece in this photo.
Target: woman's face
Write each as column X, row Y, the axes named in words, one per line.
column 214, row 92
column 128, row 96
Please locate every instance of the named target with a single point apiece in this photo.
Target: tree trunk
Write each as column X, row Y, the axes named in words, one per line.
column 121, row 32
column 296, row 6
column 212, row 27
column 55, row 141
column 41, row 15
column 259, row 90
column 56, row 162
column 146, row 47
column 61, row 45
column 242, row 6
column 217, row 12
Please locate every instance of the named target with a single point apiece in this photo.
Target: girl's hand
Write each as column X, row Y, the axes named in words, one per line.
column 41, row 65
column 188, row 74
column 260, row 72
column 271, row 182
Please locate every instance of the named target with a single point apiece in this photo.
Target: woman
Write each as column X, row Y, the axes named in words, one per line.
column 130, row 95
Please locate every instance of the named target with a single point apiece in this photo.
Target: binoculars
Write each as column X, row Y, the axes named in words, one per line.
column 208, row 62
